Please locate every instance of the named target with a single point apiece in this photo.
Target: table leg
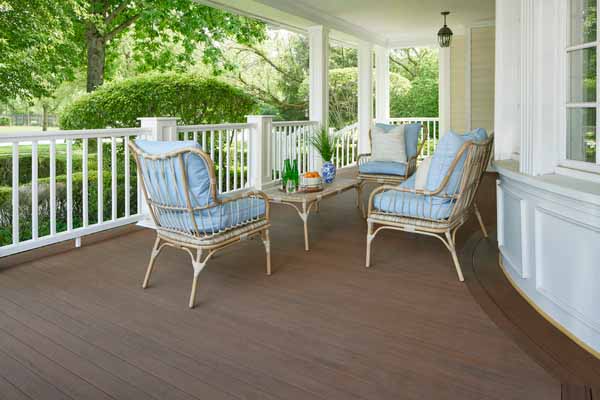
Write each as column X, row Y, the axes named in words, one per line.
column 304, row 216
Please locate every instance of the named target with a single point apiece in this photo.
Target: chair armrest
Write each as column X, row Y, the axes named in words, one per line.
column 362, row 158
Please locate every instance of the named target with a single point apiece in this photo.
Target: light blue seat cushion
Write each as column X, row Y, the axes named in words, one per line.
column 383, row 167
column 411, row 136
column 230, row 214
column 168, row 188
column 445, row 152
column 412, row 205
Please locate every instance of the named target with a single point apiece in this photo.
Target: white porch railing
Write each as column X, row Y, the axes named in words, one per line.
column 433, row 132
column 63, row 185
column 291, row 140
column 346, row 147
column 72, row 202
column 229, row 148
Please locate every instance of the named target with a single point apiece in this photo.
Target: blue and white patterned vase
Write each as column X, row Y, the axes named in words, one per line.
column 328, row 172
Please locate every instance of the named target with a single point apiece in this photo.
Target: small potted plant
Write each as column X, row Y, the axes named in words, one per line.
column 324, row 143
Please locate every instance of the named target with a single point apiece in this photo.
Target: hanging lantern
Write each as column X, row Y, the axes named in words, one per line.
column 445, row 34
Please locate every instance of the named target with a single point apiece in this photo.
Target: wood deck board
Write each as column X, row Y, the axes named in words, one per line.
column 321, row 327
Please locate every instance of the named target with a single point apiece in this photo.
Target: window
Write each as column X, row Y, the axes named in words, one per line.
column 583, row 101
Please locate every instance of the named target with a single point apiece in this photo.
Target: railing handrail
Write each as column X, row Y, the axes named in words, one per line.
column 295, row 123
column 347, row 128
column 416, row 119
column 215, row 127
column 71, row 134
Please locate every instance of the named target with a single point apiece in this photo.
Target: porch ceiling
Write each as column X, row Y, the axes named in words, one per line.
column 393, row 23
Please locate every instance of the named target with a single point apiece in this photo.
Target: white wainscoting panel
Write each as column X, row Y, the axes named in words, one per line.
column 567, row 256
column 550, row 250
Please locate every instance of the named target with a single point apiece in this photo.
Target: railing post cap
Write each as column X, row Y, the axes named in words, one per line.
column 158, row 118
column 260, row 116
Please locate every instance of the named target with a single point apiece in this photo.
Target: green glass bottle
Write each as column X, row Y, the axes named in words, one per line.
column 295, row 174
column 286, row 173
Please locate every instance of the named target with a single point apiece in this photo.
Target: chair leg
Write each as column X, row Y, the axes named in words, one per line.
column 155, row 251
column 267, row 243
column 193, row 294
column 198, row 267
column 481, row 224
column 452, row 249
column 370, row 238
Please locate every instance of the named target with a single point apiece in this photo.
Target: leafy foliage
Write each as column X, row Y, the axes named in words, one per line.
column 192, row 98
column 38, row 46
column 324, row 143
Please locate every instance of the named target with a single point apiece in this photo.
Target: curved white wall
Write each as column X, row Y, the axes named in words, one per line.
column 549, row 239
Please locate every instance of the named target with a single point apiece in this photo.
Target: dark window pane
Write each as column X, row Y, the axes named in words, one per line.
column 582, row 76
column 582, row 22
column 581, row 138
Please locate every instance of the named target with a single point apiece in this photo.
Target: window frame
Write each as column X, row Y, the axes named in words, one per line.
column 564, row 161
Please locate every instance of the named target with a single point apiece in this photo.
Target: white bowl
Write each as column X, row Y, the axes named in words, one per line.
column 311, row 181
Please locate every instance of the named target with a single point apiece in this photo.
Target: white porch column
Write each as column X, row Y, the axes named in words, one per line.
column 318, row 76
column 382, row 82
column 365, row 96
column 445, row 90
column 259, row 155
column 163, row 128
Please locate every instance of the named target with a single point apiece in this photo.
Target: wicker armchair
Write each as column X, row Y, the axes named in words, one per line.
column 179, row 186
column 440, row 212
column 387, row 178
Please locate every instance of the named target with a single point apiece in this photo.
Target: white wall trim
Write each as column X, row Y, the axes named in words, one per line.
column 527, row 85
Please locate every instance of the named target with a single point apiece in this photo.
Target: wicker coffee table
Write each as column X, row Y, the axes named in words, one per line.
column 303, row 203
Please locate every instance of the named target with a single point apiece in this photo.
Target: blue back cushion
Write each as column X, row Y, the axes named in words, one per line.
column 172, row 190
column 444, row 155
column 411, row 136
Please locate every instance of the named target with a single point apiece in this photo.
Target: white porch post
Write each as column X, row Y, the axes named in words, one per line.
column 365, row 96
column 163, row 128
column 318, row 78
column 382, row 82
column 318, row 41
column 259, row 155
column 445, row 94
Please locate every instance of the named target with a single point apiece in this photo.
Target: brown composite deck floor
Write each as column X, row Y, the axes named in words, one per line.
column 77, row 325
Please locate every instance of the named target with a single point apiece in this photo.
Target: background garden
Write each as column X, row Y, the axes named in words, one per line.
column 84, row 64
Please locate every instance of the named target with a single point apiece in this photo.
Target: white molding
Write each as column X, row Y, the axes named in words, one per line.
column 527, row 86
column 500, row 212
column 525, row 240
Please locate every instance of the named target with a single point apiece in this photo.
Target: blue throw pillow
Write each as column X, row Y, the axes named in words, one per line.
column 411, row 136
column 447, row 149
column 172, row 190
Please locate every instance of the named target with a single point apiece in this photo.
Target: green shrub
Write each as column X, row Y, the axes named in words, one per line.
column 5, row 121
column 192, row 98
column 61, row 204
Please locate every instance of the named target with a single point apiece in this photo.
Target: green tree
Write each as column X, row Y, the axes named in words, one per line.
column 164, row 33
column 37, row 46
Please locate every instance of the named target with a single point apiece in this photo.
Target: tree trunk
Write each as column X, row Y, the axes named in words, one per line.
column 44, row 117
column 96, row 54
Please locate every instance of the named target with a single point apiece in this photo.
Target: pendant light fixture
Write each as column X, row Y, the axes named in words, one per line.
column 445, row 34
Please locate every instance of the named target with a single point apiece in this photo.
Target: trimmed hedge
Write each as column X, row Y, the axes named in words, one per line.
column 61, row 204
column 5, row 121
column 193, row 98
